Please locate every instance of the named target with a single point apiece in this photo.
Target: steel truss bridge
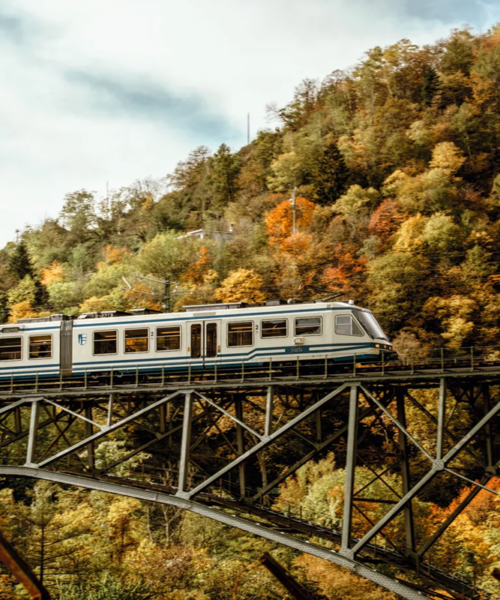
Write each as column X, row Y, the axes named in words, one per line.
column 221, row 446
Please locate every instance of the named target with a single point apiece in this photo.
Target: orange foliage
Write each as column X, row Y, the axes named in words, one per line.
column 348, row 268
column 297, row 244
column 54, row 273
column 113, row 255
column 279, row 222
column 386, row 219
column 199, row 269
column 480, row 508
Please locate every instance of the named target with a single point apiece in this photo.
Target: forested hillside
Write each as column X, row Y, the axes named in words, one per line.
column 396, row 166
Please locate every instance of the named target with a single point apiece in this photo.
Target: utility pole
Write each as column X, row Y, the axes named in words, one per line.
column 166, row 297
column 293, row 202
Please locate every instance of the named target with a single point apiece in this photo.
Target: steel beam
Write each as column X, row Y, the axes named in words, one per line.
column 268, row 429
column 186, row 443
column 402, row 429
column 441, row 419
column 472, row 433
column 228, row 414
column 350, row 469
column 431, row 540
column 89, row 430
column 487, row 428
column 385, row 520
column 33, row 433
column 267, row 440
column 105, row 430
column 405, row 472
column 240, row 440
column 224, row 517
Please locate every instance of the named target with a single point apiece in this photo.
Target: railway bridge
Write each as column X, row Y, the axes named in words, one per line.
column 221, row 444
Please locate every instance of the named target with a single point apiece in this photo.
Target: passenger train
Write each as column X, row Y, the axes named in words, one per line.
column 204, row 337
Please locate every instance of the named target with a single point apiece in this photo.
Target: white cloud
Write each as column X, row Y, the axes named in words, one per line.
column 115, row 90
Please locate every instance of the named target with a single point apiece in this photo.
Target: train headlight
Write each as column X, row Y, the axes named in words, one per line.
column 377, row 345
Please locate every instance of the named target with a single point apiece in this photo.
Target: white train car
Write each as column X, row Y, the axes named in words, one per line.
column 227, row 335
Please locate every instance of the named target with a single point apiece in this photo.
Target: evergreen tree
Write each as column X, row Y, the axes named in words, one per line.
column 4, row 309
column 225, row 168
column 20, row 263
column 330, row 175
column 430, row 86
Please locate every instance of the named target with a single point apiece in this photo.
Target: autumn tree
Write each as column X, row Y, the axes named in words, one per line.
column 279, row 222
column 243, row 285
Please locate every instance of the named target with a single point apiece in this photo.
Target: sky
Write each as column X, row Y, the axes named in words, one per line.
column 105, row 92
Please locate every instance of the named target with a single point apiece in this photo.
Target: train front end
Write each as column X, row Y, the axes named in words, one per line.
column 384, row 350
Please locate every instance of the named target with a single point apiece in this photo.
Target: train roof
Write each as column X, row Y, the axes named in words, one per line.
column 198, row 310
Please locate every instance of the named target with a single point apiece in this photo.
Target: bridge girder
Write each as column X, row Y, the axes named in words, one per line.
column 208, row 443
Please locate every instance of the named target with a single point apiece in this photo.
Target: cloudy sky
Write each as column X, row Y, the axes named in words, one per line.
column 118, row 90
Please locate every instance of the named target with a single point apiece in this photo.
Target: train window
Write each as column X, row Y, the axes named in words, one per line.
column 40, row 346
column 11, row 348
column 240, row 334
column 308, row 326
column 105, row 342
column 168, row 338
column 196, row 340
column 346, row 325
column 136, row 340
column 274, row 328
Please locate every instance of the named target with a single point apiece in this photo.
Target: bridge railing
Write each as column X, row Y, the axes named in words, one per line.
column 465, row 358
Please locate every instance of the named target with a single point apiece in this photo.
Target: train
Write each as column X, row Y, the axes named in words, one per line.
column 221, row 336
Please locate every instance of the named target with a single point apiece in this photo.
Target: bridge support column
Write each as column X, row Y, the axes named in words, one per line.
column 89, row 431
column 441, row 419
column 490, row 461
column 33, row 432
column 405, row 472
column 350, row 468
column 269, row 411
column 240, row 440
column 185, row 445
column 111, row 401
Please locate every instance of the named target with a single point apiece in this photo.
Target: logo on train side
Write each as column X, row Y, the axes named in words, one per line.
column 82, row 339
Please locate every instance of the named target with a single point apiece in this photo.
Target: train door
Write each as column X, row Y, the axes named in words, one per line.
column 205, row 341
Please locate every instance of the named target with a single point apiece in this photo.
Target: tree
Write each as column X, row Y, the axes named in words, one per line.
column 20, row 262
column 243, row 285
column 431, row 85
column 279, row 222
column 224, row 170
column 330, row 174
column 78, row 215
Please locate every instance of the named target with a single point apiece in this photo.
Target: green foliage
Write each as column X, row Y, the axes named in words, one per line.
column 398, row 163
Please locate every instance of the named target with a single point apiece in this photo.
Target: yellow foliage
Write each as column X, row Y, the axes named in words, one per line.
column 338, row 583
column 448, row 157
column 95, row 304
column 455, row 314
column 21, row 310
column 409, row 235
column 243, row 285
column 134, row 299
column 54, row 273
